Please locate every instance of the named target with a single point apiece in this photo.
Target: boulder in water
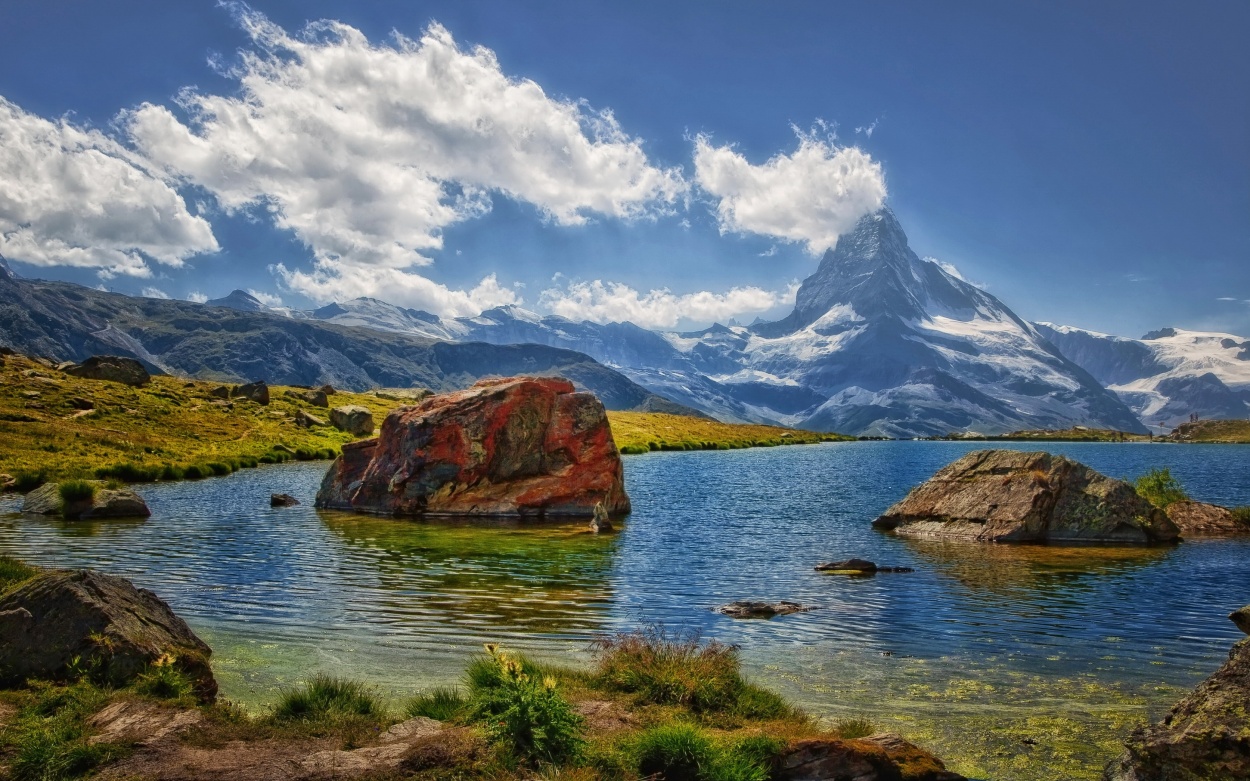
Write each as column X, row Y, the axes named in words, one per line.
column 114, row 368
column 1199, row 519
column 752, row 609
column 282, row 500
column 1014, row 496
column 518, row 446
column 104, row 502
column 63, row 623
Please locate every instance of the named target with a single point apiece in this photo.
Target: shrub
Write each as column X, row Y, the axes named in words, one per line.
column 438, row 704
column 327, row 454
column 219, row 468
column 854, row 727
column 671, row 669
column 326, row 698
column 675, row 752
column 171, row 472
column 268, row 458
column 130, row 473
column 524, row 712
column 305, row 454
column 247, row 462
column 196, row 472
column 76, row 491
column 1160, row 489
column 1241, row 514
column 27, row 481
column 164, row 681
column 633, row 450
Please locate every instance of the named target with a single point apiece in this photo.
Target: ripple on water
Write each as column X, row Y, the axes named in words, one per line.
column 979, row 649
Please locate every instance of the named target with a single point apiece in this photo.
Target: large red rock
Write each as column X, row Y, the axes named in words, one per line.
column 517, row 446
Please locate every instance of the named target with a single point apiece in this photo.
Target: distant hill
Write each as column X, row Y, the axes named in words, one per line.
column 66, row 322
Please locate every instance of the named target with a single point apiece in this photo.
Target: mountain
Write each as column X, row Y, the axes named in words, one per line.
column 229, row 343
column 880, row 342
column 240, row 300
column 1168, row 374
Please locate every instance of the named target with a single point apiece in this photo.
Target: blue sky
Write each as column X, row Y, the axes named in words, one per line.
column 1088, row 163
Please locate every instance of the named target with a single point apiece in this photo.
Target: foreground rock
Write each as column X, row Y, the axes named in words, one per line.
column 1011, row 496
column 520, row 446
column 857, row 567
column 115, row 368
column 63, row 623
column 354, row 419
column 880, row 757
column 104, row 503
column 1199, row 519
column 750, row 609
column 1205, row 737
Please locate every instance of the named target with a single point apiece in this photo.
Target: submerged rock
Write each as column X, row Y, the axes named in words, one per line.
column 857, row 567
column 1012, row 496
column 1199, row 519
column 1205, row 737
column 750, row 609
column 353, row 419
column 282, row 500
column 115, row 368
column 104, row 503
column 65, row 623
column 600, row 522
column 881, row 757
column 519, row 446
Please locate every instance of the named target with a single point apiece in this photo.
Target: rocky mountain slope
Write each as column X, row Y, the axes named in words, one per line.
column 1168, row 374
column 238, row 343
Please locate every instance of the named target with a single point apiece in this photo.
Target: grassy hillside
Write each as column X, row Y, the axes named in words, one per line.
column 174, row 428
column 639, row 432
column 1075, row 434
column 1213, row 431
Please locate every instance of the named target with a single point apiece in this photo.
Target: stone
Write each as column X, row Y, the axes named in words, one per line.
column 599, row 521
column 1014, row 496
column 395, row 745
column 857, row 567
column 105, row 503
column 1205, row 737
column 115, row 368
column 307, row 420
column 410, row 395
column 354, row 419
column 60, row 623
column 881, row 757
column 282, row 500
column 317, row 398
column 254, row 391
column 220, row 392
column 327, row 390
column 141, row 723
column 509, row 447
column 1241, row 617
column 1199, row 519
column 751, row 609
column 81, row 404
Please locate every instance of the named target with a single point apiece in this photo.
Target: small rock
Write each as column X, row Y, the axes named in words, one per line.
column 282, row 500
column 317, row 398
column 30, row 394
column 1241, row 617
column 750, row 609
column 114, row 368
column 306, row 420
column 220, row 392
column 600, row 522
column 353, row 419
column 327, row 390
column 396, row 743
column 254, row 391
column 870, row 759
column 140, row 722
column 849, row 566
column 81, row 404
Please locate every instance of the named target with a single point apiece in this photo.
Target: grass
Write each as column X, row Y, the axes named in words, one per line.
column 1225, row 431
column 76, row 491
column 1075, row 434
column 444, row 704
column 329, row 699
column 1160, row 488
column 14, row 571
column 642, row 432
column 47, row 739
column 1241, row 514
column 855, row 727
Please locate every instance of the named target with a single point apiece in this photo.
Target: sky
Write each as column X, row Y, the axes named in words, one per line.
column 672, row 164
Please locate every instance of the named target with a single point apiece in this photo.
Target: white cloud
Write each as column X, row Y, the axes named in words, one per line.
column 154, row 292
column 811, row 196
column 768, row 253
column 949, row 268
column 196, row 297
column 268, row 299
column 368, row 151
column 606, row 302
column 71, row 196
column 327, row 282
column 869, row 129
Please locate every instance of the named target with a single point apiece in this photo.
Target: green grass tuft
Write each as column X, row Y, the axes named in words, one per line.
column 673, row 669
column 77, row 491
column 326, row 698
column 438, row 704
column 47, row 740
column 25, row 482
column 13, row 571
column 854, row 727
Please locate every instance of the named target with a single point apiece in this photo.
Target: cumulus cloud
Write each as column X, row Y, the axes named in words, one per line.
column 196, row 297
column 368, row 151
column 71, row 196
column 811, row 196
column 268, row 299
column 328, row 282
column 153, row 292
column 606, row 302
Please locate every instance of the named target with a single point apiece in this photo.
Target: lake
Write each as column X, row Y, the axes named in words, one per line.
column 1011, row 662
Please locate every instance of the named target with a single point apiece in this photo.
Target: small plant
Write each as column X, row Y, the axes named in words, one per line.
column 164, row 681
column 171, row 472
column 524, row 712
column 76, row 491
column 1241, row 514
column 219, row 468
column 1160, row 488
column 26, row 481
column 675, row 752
column 326, row 698
column 854, row 727
column 438, row 704
column 49, row 734
column 671, row 669
column 13, row 571
column 196, row 472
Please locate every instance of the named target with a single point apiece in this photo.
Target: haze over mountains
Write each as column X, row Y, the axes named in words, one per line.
column 880, row 343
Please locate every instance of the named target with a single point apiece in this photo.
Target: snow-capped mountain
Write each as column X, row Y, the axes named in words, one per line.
column 1167, row 375
column 880, row 343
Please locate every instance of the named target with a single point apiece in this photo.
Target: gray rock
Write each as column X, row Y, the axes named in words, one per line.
column 220, row 392
column 307, row 420
column 115, row 368
column 105, row 503
column 880, row 757
column 1241, row 617
column 600, row 522
column 317, row 398
column 282, row 500
column 84, row 621
column 752, row 609
column 353, row 419
column 1012, row 496
column 1199, row 519
column 253, row 391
